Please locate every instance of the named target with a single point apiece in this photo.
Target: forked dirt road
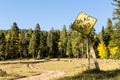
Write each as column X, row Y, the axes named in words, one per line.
column 46, row 75
column 50, row 75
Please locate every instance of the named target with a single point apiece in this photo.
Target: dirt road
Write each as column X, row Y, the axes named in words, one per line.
column 46, row 75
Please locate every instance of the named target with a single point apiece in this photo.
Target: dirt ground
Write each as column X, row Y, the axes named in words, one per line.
column 46, row 75
column 51, row 74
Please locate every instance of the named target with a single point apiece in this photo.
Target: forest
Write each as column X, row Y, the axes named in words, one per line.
column 16, row 43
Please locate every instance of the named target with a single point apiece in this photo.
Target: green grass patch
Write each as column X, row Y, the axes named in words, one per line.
column 93, row 74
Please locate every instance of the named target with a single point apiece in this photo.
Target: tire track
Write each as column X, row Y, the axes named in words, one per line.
column 46, row 75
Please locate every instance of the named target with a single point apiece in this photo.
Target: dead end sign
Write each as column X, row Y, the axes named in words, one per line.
column 84, row 23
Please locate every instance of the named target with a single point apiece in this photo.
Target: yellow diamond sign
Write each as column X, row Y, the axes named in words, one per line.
column 84, row 23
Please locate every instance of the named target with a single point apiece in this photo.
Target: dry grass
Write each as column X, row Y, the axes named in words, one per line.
column 69, row 66
column 16, row 69
column 110, row 70
column 19, row 68
column 76, row 66
column 109, row 64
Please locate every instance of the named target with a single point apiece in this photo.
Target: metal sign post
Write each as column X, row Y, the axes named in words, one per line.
column 84, row 24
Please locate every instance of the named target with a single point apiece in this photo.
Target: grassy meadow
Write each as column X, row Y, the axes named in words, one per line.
column 17, row 69
column 74, row 69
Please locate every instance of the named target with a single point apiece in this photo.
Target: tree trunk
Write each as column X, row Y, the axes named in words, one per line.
column 89, row 46
column 88, row 55
column 93, row 54
column 94, row 57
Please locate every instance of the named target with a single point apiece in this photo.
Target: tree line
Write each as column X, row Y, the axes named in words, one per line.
column 27, row 43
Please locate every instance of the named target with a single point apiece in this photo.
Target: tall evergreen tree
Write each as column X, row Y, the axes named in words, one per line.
column 2, row 46
column 43, row 44
column 8, row 43
column 69, row 49
column 32, row 46
column 115, row 42
column 109, row 27
column 37, row 38
column 63, row 40
column 27, row 37
column 116, row 14
column 56, row 40
column 50, row 43
column 23, row 44
column 105, row 37
column 15, row 44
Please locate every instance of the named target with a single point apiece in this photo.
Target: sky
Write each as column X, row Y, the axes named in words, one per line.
column 52, row 13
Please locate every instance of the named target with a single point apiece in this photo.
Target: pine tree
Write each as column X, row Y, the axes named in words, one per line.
column 2, row 46
column 23, row 44
column 69, row 49
column 75, row 41
column 56, row 40
column 109, row 27
column 8, row 43
column 115, row 42
column 63, row 40
column 108, row 33
column 15, row 44
column 32, row 46
column 27, row 37
column 37, row 39
column 43, row 44
column 50, row 43
column 116, row 14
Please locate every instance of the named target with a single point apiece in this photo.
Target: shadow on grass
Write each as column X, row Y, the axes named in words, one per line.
column 26, row 62
column 23, row 62
column 95, row 75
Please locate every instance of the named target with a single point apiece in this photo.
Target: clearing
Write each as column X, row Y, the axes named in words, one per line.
column 53, row 69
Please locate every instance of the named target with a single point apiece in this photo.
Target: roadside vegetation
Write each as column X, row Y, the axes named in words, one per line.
column 22, row 68
column 16, row 43
column 45, row 50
